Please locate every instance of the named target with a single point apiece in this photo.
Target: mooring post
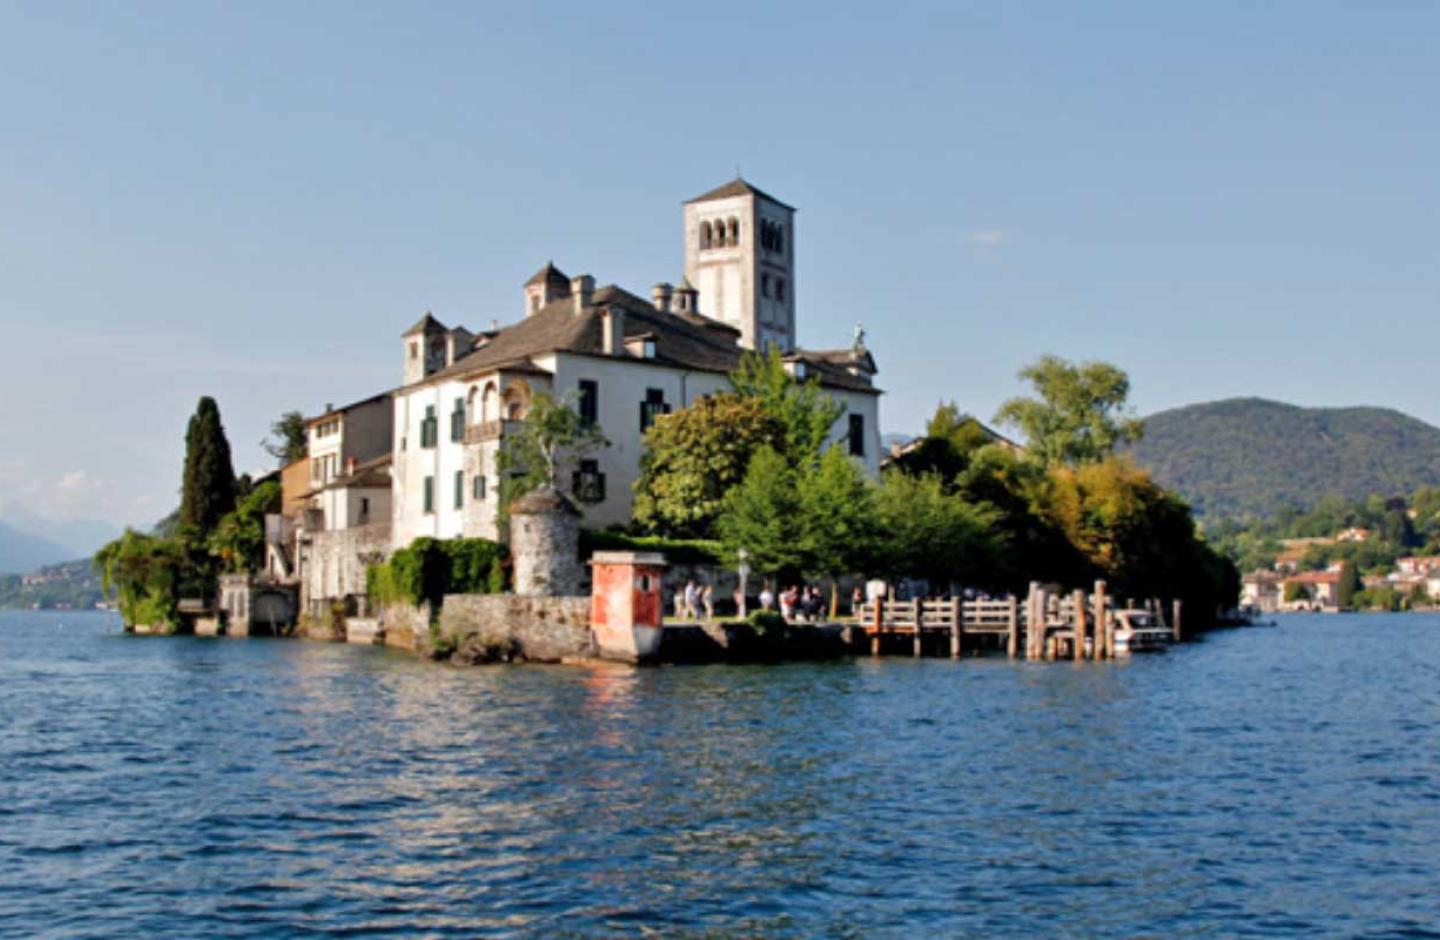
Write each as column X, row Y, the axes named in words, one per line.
column 919, row 626
column 1175, row 621
column 876, row 620
column 1102, row 622
column 1012, row 640
column 1078, row 653
column 957, row 627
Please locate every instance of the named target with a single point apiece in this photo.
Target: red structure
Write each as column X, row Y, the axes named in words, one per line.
column 626, row 610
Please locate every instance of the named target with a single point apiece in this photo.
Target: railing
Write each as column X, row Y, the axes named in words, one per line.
column 491, row 430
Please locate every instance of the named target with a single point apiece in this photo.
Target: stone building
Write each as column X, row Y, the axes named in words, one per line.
column 621, row 359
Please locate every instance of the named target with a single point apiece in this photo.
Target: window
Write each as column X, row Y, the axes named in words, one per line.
column 734, row 231
column 706, row 236
column 857, row 435
column 429, row 494
column 652, row 407
column 364, row 508
column 765, row 285
column 457, row 421
column 588, row 484
column 589, row 402
column 459, row 489
column 779, row 288
column 429, row 428
column 479, row 486
column 414, row 350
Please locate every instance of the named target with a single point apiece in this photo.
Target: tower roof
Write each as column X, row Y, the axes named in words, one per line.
column 426, row 324
column 737, row 187
column 549, row 273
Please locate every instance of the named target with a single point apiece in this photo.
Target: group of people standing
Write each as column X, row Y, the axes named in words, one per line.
column 693, row 598
column 797, row 603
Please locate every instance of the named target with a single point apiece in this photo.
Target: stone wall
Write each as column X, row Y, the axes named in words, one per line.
column 406, row 626
column 506, row 627
column 334, row 563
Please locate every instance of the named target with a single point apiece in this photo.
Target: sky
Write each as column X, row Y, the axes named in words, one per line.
column 252, row 201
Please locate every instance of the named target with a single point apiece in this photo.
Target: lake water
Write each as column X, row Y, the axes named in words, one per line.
column 1265, row 782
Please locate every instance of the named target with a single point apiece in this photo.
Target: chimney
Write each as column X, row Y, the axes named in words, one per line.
column 660, row 295
column 612, row 331
column 582, row 288
column 350, row 466
column 686, row 297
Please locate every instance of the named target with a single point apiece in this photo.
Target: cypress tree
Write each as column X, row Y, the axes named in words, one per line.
column 209, row 486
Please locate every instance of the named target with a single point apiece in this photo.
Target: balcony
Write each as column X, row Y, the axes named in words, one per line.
column 491, row 431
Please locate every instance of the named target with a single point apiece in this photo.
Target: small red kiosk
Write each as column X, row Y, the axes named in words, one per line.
column 626, row 605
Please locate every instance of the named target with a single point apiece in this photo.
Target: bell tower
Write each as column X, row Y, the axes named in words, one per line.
column 740, row 255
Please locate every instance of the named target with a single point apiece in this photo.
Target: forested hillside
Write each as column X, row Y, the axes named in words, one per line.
column 1248, row 457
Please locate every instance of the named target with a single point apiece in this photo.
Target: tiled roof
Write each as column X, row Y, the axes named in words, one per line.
column 737, row 187
column 425, row 324
column 335, row 412
column 549, row 273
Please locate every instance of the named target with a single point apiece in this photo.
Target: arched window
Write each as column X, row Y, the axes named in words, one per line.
column 734, row 231
column 489, row 403
column 470, row 401
column 779, row 239
column 705, row 235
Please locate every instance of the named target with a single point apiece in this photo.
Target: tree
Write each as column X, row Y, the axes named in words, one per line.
column 930, row 533
column 208, row 491
column 1080, row 415
column 288, row 440
column 805, row 412
column 763, row 516
column 552, row 439
column 238, row 539
column 143, row 573
column 1296, row 591
column 694, row 456
column 839, row 517
column 1349, row 586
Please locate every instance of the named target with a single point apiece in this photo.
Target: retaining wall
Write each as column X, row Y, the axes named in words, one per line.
column 506, row 627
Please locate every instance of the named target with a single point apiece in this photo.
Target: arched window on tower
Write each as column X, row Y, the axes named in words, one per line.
column 779, row 239
column 734, row 231
column 705, row 235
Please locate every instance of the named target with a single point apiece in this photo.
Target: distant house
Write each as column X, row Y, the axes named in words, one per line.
column 1293, row 550
column 1353, row 534
column 1321, row 591
column 1417, row 565
column 1262, row 591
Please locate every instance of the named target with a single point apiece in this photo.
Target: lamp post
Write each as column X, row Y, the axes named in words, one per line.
column 743, row 570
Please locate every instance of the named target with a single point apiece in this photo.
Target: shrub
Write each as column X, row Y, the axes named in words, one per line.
column 767, row 622
column 428, row 569
column 676, row 551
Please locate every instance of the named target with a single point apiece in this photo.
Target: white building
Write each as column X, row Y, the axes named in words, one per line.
column 622, row 359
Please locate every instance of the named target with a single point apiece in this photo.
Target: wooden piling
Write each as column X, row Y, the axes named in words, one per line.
column 1175, row 621
column 1078, row 653
column 876, row 622
column 1102, row 622
column 1012, row 639
column 957, row 627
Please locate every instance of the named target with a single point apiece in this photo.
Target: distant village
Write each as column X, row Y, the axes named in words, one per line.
column 1413, row 581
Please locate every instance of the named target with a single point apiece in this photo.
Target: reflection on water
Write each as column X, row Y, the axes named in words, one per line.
column 1262, row 783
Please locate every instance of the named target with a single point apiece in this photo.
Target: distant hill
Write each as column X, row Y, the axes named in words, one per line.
column 72, row 585
column 21, row 552
column 1248, row 457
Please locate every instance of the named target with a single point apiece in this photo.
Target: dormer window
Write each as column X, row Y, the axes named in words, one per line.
column 647, row 349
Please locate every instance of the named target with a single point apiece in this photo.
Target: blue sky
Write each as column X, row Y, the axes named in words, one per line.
column 254, row 200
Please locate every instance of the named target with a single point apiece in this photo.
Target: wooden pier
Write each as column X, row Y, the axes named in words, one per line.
column 1075, row 625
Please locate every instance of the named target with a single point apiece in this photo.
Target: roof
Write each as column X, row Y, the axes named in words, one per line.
column 426, row 324
column 543, row 499
column 737, row 187
column 1314, row 577
column 681, row 341
column 372, row 474
column 332, row 412
column 549, row 273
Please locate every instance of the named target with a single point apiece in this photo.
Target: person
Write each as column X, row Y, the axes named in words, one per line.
column 692, row 598
column 857, row 600
column 788, row 597
column 767, row 597
column 679, row 603
column 707, row 598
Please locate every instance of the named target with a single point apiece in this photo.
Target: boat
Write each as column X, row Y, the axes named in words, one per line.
column 1140, row 631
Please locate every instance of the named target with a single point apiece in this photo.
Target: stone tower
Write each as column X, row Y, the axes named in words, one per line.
column 740, row 255
column 545, row 544
column 425, row 348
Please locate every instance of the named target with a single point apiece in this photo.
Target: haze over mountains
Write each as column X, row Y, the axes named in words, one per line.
column 1249, row 457
column 29, row 541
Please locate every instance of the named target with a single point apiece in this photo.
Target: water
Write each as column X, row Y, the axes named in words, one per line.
column 1267, row 783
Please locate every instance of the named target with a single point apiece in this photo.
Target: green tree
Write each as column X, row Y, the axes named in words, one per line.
column 208, row 491
column 550, row 442
column 1349, row 586
column 288, row 440
column 238, row 539
column 143, row 573
column 763, row 516
column 839, row 517
column 951, row 440
column 694, row 456
column 805, row 412
column 931, row 533
column 1295, row 591
column 1080, row 414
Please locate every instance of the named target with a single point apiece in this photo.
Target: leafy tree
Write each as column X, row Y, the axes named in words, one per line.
column 143, row 573
column 238, row 540
column 551, row 440
column 933, row 534
column 1080, row 415
column 1349, row 586
column 694, row 456
column 805, row 412
column 840, row 518
column 288, row 440
column 951, row 440
column 1295, row 591
column 763, row 516
column 209, row 483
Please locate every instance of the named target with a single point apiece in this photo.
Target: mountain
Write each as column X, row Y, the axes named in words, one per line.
column 81, row 536
column 22, row 552
column 1248, row 457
